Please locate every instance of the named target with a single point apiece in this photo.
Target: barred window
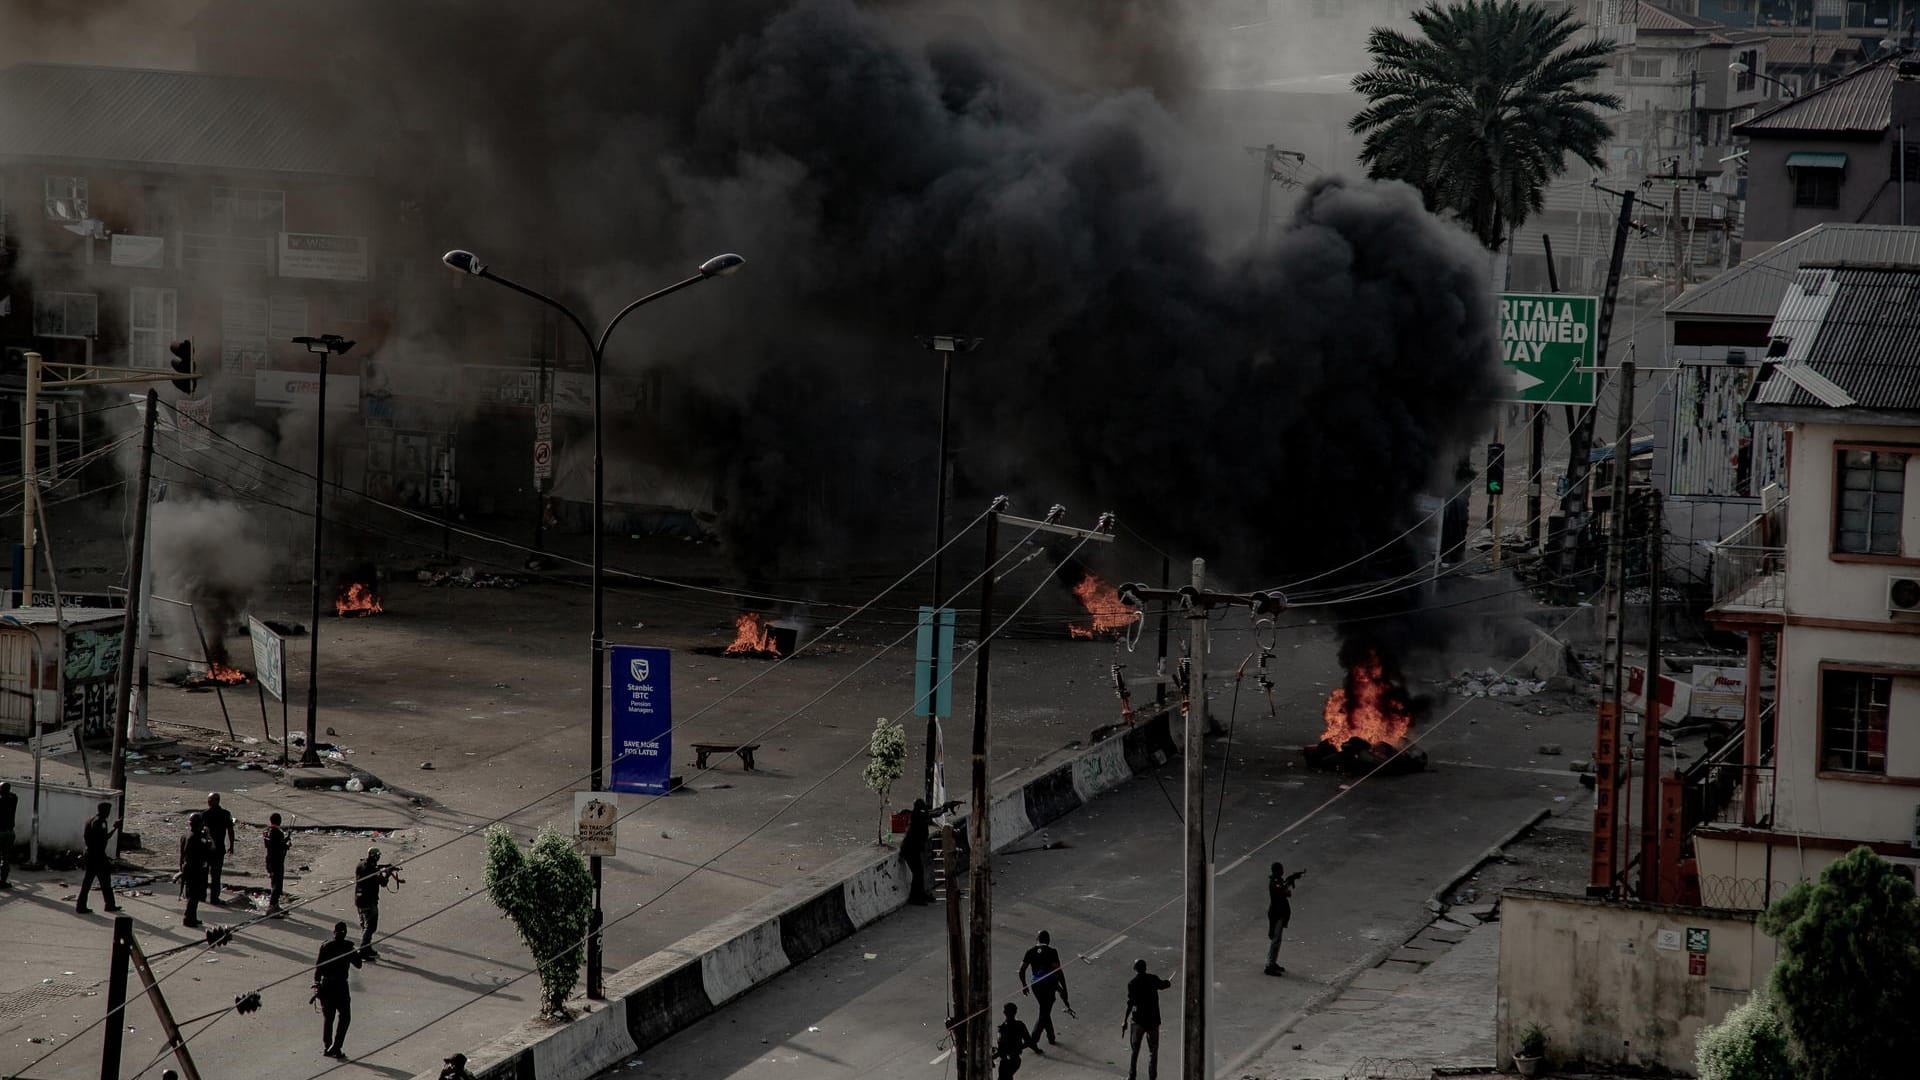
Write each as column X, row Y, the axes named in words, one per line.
column 1872, row 499
column 1853, row 721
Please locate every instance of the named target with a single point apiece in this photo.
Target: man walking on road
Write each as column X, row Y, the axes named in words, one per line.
column 9, row 805
column 368, row 876
column 99, row 865
column 277, row 842
column 196, row 857
column 1279, row 912
column 1143, row 1011
column 330, row 989
column 219, row 825
column 1014, row 1038
column 913, row 851
column 1048, row 979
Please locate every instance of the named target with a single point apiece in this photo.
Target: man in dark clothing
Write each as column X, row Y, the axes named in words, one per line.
column 1048, row 979
column 913, row 851
column 219, row 826
column 1014, row 1038
column 98, row 864
column 196, row 857
column 9, row 806
column 1143, row 1010
column 277, row 842
column 1279, row 912
column 368, row 876
column 330, row 989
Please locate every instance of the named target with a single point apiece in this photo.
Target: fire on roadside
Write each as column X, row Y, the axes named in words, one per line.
column 1370, row 706
column 1108, row 617
column 753, row 636
column 217, row 673
column 357, row 599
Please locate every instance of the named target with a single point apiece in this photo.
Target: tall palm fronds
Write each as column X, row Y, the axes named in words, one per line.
column 1480, row 110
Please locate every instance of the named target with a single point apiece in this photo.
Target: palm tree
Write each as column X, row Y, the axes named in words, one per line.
column 1481, row 109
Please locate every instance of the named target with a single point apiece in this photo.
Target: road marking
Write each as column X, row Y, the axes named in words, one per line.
column 1004, row 775
column 1100, row 951
column 944, row 1055
column 1222, row 872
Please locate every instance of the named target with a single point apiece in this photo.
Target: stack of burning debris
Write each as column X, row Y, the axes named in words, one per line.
column 1107, row 617
column 357, row 600
column 212, row 674
column 1369, row 722
column 756, row 636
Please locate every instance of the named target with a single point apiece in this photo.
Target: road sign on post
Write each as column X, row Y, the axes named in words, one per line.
column 543, row 460
column 269, row 658
column 1548, row 344
column 596, row 823
column 933, row 664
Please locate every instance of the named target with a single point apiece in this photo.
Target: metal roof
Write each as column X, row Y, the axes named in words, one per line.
column 1861, row 101
column 178, row 119
column 1785, row 50
column 1657, row 20
column 1847, row 336
column 1753, row 289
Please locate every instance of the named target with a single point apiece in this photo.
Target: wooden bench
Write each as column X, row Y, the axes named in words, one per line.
column 745, row 750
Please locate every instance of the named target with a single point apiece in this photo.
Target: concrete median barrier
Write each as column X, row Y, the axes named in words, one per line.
column 677, row 986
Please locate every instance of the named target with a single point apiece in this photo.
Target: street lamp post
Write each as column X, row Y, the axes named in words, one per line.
column 946, row 345
column 718, row 266
column 1741, row 68
column 323, row 346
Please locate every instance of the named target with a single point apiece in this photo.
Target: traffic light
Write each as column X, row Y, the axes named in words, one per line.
column 1496, row 467
column 183, row 363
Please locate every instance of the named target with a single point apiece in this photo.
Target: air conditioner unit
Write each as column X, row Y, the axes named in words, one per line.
column 1903, row 595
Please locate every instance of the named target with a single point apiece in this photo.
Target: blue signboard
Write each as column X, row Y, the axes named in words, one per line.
column 642, row 688
column 933, row 664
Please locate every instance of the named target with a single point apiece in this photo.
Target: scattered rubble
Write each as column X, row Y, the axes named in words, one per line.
column 1491, row 683
column 467, row 578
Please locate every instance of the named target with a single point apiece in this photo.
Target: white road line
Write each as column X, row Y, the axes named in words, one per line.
column 1100, row 951
column 1509, row 768
column 944, row 1054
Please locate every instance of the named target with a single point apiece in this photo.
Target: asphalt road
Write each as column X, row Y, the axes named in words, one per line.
column 875, row 1005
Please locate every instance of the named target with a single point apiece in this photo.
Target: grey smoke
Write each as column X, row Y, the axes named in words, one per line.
column 210, row 555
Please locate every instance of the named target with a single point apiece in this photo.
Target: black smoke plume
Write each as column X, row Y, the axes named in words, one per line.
column 1023, row 172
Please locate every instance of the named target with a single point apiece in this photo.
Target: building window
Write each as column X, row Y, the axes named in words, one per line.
column 1872, row 499
column 1816, row 188
column 152, row 324
column 1746, row 79
column 1646, row 69
column 66, row 198
column 1912, row 174
column 249, row 211
column 1853, row 721
column 348, row 308
column 68, row 315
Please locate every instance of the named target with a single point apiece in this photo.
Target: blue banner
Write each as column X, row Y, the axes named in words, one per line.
column 933, row 664
column 642, row 689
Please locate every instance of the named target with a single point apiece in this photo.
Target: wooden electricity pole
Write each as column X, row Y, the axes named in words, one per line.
column 1606, row 732
column 1573, row 505
column 130, row 626
column 1196, row 1045
column 1651, row 775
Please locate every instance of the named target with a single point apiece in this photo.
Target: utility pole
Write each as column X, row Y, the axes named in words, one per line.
column 1606, row 737
column 1651, row 776
column 1196, row 1046
column 136, row 614
column 945, row 345
column 1573, row 506
column 956, row 959
column 973, row 1028
column 1270, row 156
column 1537, row 428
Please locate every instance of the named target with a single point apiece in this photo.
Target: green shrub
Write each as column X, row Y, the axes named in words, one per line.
column 1750, row 1044
column 548, row 893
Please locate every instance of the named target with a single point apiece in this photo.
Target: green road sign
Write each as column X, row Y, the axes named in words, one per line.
column 1545, row 338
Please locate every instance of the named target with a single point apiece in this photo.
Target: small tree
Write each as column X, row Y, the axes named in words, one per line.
column 1750, row 1044
column 1848, row 977
column 887, row 759
column 548, row 894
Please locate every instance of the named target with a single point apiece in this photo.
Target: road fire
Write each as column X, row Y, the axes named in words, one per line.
column 217, row 673
column 1110, row 617
column 357, row 600
column 753, row 636
column 1368, row 722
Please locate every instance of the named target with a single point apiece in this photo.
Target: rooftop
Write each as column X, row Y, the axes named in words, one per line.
column 177, row 119
column 1753, row 289
column 1658, row 20
column 1846, row 340
column 1799, row 51
column 1859, row 102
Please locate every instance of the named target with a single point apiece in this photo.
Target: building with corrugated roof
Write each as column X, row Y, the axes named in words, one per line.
column 1835, row 154
column 1831, row 570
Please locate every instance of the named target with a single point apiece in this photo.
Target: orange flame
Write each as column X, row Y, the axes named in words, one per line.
column 752, row 634
column 357, row 599
column 221, row 673
column 1369, row 707
column 1102, row 601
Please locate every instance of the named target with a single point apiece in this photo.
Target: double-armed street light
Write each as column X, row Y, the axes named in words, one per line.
column 720, row 265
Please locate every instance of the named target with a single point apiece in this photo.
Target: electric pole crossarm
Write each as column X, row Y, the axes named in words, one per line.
column 1102, row 532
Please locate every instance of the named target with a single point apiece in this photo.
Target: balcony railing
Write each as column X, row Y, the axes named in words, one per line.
column 1712, row 786
column 1749, row 567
